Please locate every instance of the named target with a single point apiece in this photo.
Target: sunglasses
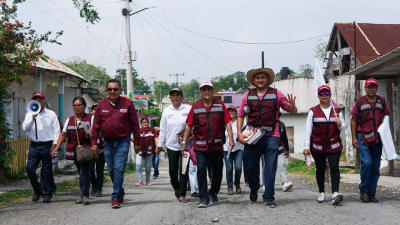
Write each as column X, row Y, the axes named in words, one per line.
column 113, row 89
column 77, row 106
column 324, row 93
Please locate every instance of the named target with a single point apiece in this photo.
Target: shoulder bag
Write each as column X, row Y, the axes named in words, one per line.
column 84, row 154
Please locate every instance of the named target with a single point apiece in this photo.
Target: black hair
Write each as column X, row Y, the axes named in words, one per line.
column 79, row 98
column 144, row 118
column 93, row 108
column 113, row 81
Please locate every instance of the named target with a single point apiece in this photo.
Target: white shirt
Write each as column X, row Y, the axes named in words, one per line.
column 48, row 127
column 238, row 145
column 309, row 124
column 172, row 122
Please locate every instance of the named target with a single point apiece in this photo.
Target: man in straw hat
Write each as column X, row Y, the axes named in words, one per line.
column 262, row 104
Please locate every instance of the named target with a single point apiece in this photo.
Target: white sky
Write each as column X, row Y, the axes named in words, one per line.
column 237, row 20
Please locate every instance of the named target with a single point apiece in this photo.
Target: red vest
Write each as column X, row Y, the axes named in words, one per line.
column 71, row 135
column 370, row 118
column 325, row 135
column 281, row 146
column 209, row 127
column 263, row 113
column 147, row 142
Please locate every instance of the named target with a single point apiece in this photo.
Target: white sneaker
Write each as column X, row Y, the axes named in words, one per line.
column 337, row 198
column 287, row 186
column 321, row 197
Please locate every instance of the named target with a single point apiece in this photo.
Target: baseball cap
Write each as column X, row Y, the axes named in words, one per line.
column 206, row 83
column 94, row 105
column 371, row 81
column 40, row 95
column 233, row 108
column 178, row 90
column 324, row 87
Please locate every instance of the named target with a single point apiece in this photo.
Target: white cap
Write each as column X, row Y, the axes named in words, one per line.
column 206, row 83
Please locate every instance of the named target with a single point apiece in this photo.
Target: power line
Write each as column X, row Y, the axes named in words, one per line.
column 241, row 42
column 112, row 35
column 120, row 45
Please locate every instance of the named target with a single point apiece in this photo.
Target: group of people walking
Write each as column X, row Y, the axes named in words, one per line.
column 207, row 134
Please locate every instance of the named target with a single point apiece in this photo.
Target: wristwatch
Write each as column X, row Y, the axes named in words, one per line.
column 183, row 142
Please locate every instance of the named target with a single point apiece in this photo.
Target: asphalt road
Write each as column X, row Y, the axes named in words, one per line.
column 158, row 205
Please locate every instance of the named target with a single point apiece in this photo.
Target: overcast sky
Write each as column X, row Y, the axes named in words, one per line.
column 262, row 21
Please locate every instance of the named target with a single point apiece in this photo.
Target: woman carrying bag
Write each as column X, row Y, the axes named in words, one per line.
column 77, row 147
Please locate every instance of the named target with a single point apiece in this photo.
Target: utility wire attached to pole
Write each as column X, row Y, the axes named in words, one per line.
column 177, row 83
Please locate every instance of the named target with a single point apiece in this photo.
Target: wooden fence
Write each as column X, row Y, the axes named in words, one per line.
column 18, row 163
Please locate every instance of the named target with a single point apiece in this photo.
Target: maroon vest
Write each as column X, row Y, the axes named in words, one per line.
column 325, row 135
column 71, row 135
column 281, row 146
column 147, row 142
column 209, row 127
column 263, row 113
column 370, row 118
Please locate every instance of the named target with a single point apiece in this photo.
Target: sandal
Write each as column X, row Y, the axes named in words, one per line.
column 182, row 200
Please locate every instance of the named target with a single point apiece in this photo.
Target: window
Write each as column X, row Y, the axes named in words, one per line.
column 227, row 99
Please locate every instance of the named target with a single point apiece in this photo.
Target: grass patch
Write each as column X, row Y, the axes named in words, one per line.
column 297, row 166
column 356, row 171
column 345, row 170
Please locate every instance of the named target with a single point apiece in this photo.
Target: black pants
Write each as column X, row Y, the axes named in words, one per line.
column 216, row 160
column 84, row 178
column 97, row 181
column 40, row 151
column 320, row 163
column 175, row 159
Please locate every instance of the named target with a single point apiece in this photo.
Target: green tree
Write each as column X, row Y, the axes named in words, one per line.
column 156, row 111
column 235, row 81
column 161, row 87
column 306, row 71
column 139, row 84
column 320, row 50
column 20, row 50
column 190, row 90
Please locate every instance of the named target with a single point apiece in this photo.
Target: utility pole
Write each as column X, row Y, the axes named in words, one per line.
column 176, row 75
column 152, row 83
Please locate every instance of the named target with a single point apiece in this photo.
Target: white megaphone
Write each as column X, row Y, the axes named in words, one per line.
column 33, row 107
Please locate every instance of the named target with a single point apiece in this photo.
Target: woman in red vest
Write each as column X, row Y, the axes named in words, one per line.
column 69, row 132
column 324, row 123
column 148, row 141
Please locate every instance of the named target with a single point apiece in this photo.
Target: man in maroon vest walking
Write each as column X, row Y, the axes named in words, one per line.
column 262, row 106
column 208, row 118
column 368, row 114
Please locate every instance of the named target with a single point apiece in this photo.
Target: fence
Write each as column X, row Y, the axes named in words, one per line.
column 18, row 163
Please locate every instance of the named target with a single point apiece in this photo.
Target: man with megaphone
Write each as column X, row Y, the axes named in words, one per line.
column 44, row 129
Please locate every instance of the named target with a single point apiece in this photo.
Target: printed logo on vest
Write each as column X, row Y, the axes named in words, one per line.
column 170, row 115
column 123, row 110
column 185, row 114
column 217, row 105
column 106, row 111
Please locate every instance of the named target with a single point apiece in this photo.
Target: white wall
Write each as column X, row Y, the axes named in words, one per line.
column 298, row 122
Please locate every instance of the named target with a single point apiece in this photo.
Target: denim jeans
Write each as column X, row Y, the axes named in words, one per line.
column 41, row 152
column 281, row 168
column 267, row 146
column 147, row 162
column 116, row 154
column 84, row 178
column 97, row 182
column 370, row 163
column 234, row 161
column 216, row 160
column 193, row 178
column 156, row 161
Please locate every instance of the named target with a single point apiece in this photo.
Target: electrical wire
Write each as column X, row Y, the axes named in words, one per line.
column 112, row 35
column 120, row 45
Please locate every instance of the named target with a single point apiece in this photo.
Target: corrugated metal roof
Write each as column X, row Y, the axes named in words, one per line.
column 373, row 40
column 55, row 65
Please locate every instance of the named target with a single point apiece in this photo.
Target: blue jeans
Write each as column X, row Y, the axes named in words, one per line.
column 370, row 162
column 116, row 154
column 234, row 161
column 269, row 146
column 97, row 182
column 41, row 151
column 216, row 160
column 139, row 162
column 156, row 161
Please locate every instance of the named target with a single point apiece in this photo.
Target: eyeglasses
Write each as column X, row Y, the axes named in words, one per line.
column 77, row 106
column 113, row 89
column 324, row 93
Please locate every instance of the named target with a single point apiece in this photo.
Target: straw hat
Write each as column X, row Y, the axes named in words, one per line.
column 269, row 72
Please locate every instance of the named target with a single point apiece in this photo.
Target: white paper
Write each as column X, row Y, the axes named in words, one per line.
column 387, row 140
column 87, row 127
column 185, row 161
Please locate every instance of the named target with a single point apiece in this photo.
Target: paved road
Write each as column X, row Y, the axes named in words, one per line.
column 158, row 205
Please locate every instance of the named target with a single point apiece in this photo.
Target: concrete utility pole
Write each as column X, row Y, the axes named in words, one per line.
column 177, row 83
column 129, row 84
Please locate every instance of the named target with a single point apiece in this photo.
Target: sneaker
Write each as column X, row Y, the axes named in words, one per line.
column 287, row 186
column 270, row 204
column 98, row 194
column 155, row 177
column 47, row 200
column 321, row 197
column 92, row 192
column 203, row 203
column 115, row 204
column 195, row 195
column 337, row 198
column 214, row 198
column 148, row 184
column 364, row 197
column 140, row 183
column 79, row 200
column 238, row 189
column 253, row 196
column 373, row 199
column 86, row 201
column 36, row 196
column 230, row 192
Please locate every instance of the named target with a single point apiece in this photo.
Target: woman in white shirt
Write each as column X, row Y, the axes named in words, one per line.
column 235, row 156
column 173, row 121
column 323, row 127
